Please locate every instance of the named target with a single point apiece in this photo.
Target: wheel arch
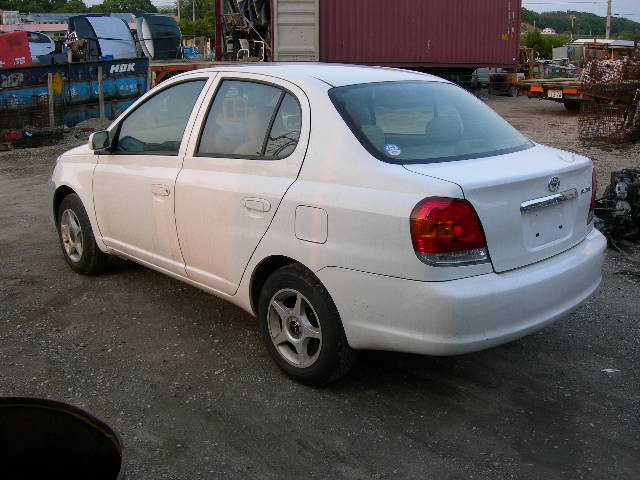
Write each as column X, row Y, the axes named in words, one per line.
column 61, row 192
column 262, row 271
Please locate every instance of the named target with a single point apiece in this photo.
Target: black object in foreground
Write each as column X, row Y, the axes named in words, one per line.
column 47, row 439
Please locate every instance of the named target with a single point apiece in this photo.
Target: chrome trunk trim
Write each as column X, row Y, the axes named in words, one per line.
column 548, row 201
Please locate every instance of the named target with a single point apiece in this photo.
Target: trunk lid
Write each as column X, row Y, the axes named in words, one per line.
column 524, row 219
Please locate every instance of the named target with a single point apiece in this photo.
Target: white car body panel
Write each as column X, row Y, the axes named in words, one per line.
column 236, row 200
column 497, row 189
column 140, row 190
column 345, row 215
column 464, row 315
column 74, row 170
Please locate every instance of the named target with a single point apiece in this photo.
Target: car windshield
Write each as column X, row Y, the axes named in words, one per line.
column 424, row 122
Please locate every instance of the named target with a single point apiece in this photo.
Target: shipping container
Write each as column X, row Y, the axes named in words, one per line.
column 421, row 33
column 451, row 35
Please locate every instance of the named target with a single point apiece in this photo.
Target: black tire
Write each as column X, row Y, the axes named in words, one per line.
column 572, row 106
column 89, row 260
column 333, row 356
column 513, row 91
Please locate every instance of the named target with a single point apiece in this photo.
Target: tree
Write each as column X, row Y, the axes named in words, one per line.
column 543, row 44
column 200, row 28
column 74, row 6
column 186, row 8
column 128, row 6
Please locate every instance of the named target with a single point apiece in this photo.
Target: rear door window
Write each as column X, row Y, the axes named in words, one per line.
column 250, row 120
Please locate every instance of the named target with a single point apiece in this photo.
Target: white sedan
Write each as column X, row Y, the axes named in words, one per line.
column 346, row 207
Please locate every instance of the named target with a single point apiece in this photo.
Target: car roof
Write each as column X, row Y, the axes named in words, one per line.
column 334, row 74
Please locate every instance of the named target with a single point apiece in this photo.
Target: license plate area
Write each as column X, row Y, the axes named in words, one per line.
column 547, row 225
column 554, row 93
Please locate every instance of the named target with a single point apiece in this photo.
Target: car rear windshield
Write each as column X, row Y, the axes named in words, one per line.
column 424, row 122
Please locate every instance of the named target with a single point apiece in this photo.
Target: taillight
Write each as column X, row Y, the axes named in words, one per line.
column 594, row 187
column 447, row 231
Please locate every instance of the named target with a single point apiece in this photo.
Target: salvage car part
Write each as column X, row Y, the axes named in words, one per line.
column 618, row 210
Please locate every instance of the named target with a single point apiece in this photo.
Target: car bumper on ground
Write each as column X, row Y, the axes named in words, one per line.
column 465, row 315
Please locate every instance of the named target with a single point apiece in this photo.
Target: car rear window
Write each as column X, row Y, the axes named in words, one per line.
column 424, row 122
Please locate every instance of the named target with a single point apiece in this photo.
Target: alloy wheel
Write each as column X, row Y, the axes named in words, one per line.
column 71, row 234
column 294, row 328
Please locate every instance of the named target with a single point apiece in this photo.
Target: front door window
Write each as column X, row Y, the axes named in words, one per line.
column 156, row 126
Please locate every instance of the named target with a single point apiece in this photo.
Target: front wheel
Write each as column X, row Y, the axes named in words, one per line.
column 301, row 327
column 76, row 237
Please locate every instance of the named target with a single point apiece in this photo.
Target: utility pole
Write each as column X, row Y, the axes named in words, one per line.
column 194, row 9
column 608, row 19
column 572, row 17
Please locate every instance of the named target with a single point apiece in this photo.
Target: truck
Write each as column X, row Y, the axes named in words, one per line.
column 567, row 91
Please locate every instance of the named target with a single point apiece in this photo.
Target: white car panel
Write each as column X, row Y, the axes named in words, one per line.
column 497, row 186
column 139, row 190
column 466, row 315
column 74, row 170
column 212, row 222
column 214, row 198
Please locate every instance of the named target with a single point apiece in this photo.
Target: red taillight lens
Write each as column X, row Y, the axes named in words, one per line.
column 447, row 231
column 594, row 187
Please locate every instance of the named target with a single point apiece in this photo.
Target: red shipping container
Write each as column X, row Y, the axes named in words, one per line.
column 421, row 33
column 14, row 50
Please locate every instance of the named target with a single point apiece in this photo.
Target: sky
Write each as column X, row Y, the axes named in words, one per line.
column 626, row 8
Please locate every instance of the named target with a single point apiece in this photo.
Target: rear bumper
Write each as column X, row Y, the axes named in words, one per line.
column 466, row 315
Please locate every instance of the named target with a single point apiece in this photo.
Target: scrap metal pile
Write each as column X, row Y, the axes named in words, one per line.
column 618, row 211
column 614, row 114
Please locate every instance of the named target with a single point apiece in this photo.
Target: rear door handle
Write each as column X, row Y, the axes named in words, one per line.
column 257, row 204
column 160, row 190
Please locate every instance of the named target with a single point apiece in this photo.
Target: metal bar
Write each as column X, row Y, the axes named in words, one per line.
column 52, row 119
column 218, row 29
column 548, row 201
column 100, row 93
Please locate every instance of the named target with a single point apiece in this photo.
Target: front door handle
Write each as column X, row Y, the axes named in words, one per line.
column 257, row 204
column 160, row 190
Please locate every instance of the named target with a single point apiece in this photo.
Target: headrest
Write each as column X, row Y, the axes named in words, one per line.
column 443, row 129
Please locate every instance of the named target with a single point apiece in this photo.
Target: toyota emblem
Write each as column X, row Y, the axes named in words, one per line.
column 554, row 184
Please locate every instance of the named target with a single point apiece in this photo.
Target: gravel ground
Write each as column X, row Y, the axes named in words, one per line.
column 185, row 380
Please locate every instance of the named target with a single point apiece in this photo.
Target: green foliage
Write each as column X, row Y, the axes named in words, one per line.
column 129, row 6
column 204, row 26
column 543, row 44
column 584, row 25
column 78, row 6
column 200, row 28
column 201, row 8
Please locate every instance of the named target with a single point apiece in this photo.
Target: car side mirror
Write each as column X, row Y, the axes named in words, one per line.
column 99, row 140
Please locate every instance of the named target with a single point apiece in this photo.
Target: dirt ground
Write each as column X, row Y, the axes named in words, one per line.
column 183, row 376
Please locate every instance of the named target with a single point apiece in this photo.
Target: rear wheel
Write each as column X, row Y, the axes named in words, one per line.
column 513, row 91
column 76, row 237
column 301, row 327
